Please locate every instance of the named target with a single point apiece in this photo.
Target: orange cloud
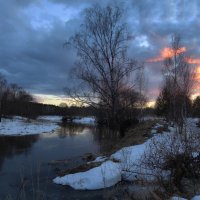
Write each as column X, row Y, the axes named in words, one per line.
column 169, row 52
column 196, row 62
column 196, row 77
column 166, row 53
column 197, row 74
column 193, row 60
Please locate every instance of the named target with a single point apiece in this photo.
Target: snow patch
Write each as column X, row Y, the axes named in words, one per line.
column 99, row 159
column 51, row 118
column 106, row 175
column 85, row 120
column 178, row 198
column 196, row 197
column 127, row 168
column 21, row 126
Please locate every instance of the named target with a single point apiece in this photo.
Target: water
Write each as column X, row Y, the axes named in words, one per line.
column 25, row 172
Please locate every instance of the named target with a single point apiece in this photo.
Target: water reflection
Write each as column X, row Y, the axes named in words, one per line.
column 10, row 146
column 70, row 130
column 106, row 138
column 69, row 142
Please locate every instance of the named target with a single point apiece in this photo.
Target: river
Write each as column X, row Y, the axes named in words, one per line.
column 27, row 163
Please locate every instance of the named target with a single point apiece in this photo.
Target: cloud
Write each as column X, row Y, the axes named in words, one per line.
column 165, row 53
column 32, row 34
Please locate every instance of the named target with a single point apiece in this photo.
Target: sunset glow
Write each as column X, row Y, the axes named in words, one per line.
column 193, row 60
column 166, row 53
column 54, row 99
column 197, row 73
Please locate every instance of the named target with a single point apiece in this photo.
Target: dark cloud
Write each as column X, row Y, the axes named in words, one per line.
column 32, row 34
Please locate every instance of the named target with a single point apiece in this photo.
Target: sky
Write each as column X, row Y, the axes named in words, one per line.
column 32, row 34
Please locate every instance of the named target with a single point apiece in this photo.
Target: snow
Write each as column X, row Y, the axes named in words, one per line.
column 43, row 124
column 178, row 198
column 85, row 120
column 128, row 166
column 196, row 197
column 53, row 118
column 153, row 131
column 106, row 175
column 78, row 120
column 129, row 158
column 99, row 159
column 158, row 126
column 21, row 126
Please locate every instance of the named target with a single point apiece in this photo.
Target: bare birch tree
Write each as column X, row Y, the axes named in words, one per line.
column 103, row 65
column 178, row 82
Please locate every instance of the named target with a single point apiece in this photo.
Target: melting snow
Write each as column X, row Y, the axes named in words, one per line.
column 127, row 168
column 21, row 126
column 85, row 120
column 106, row 175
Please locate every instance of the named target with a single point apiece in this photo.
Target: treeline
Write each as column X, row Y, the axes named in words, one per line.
column 163, row 104
column 14, row 100
column 33, row 109
column 11, row 93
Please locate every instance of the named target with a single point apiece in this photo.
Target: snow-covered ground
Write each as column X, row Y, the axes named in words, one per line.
column 106, row 175
column 50, row 118
column 43, row 124
column 127, row 168
column 22, row 126
column 85, row 120
column 180, row 198
column 196, row 197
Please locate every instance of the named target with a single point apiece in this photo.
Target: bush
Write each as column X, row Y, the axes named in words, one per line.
column 173, row 158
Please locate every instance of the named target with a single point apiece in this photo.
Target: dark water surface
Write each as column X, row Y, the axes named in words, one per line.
column 25, row 172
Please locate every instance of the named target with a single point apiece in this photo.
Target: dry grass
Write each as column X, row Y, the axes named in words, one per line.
column 136, row 135
column 133, row 136
column 81, row 168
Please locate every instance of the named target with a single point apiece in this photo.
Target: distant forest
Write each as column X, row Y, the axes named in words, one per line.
column 33, row 109
column 14, row 100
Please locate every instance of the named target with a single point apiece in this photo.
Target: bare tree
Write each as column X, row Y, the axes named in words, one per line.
column 178, row 81
column 12, row 98
column 142, row 100
column 3, row 86
column 103, row 66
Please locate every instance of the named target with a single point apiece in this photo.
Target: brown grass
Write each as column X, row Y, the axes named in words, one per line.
column 133, row 136
column 137, row 135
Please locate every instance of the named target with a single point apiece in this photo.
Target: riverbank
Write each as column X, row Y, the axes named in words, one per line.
column 124, row 164
column 134, row 136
